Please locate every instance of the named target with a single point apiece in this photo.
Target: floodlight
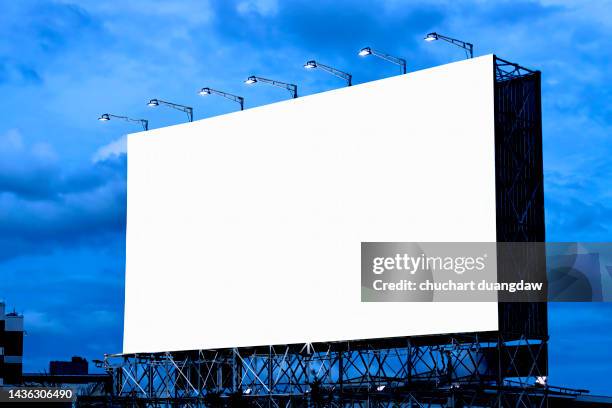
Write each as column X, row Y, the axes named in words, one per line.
column 431, row 37
column 380, row 388
column 387, row 57
column 292, row 88
column 235, row 98
column 336, row 72
column 365, row 51
column 467, row 47
column 107, row 116
column 187, row 109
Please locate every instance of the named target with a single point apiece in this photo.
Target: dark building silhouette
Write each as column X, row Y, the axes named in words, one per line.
column 11, row 346
column 76, row 366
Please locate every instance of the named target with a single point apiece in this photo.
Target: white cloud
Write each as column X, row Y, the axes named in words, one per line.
column 113, row 149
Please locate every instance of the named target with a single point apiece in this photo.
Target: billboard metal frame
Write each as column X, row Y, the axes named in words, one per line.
column 422, row 371
column 470, row 369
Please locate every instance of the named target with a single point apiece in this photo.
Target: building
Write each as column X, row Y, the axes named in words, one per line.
column 73, row 373
column 76, row 366
column 11, row 346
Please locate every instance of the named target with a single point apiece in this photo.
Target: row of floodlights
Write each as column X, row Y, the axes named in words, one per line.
column 292, row 88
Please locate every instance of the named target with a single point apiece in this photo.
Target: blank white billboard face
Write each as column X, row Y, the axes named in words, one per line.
column 245, row 229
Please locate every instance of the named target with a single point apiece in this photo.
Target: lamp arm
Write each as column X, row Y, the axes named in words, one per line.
column 292, row 88
column 396, row 60
column 187, row 109
column 143, row 122
column 468, row 47
column 229, row 96
column 336, row 72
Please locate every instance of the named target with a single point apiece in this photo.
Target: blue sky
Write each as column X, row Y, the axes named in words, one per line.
column 62, row 173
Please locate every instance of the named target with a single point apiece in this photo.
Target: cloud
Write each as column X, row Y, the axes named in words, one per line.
column 112, row 150
column 15, row 72
column 262, row 7
column 50, row 205
column 42, row 322
column 580, row 351
column 11, row 142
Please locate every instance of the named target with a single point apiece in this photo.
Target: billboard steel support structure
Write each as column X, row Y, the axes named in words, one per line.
column 424, row 371
column 486, row 369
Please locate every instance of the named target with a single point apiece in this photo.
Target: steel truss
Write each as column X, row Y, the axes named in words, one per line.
column 520, row 194
column 457, row 370
column 518, row 134
column 488, row 369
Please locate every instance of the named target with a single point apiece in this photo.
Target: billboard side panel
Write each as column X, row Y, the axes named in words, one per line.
column 520, row 208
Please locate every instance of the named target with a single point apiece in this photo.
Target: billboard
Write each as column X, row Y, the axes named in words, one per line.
column 245, row 229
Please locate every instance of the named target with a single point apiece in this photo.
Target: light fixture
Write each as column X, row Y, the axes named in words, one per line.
column 187, row 109
column 467, row 47
column 365, row 51
column 292, row 88
column 541, row 381
column 380, row 388
column 387, row 57
column 107, row 116
column 235, row 98
column 431, row 37
column 336, row 72
column 247, row 391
